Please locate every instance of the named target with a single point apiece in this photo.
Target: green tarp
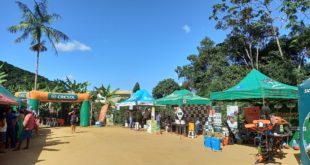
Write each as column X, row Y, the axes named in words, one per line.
column 256, row 85
column 180, row 97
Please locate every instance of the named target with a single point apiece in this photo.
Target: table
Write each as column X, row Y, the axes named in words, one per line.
column 277, row 140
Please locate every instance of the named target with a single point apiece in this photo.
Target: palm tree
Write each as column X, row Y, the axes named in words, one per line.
column 3, row 76
column 36, row 24
column 105, row 96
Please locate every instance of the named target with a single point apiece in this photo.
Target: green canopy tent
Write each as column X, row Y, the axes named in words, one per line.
column 180, row 97
column 256, row 85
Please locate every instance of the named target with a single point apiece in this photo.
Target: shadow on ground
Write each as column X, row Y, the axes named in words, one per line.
column 31, row 156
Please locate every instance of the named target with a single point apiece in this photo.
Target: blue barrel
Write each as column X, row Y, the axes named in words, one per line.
column 216, row 144
column 207, row 141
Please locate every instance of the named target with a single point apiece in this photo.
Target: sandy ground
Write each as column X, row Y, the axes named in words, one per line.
column 118, row 146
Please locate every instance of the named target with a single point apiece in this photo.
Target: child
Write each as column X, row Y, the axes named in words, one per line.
column 36, row 124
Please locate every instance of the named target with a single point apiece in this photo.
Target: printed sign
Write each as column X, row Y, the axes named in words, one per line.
column 22, row 95
column 232, row 116
column 179, row 113
column 251, row 113
column 52, row 96
column 217, row 119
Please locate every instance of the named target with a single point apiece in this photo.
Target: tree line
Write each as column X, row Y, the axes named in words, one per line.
column 254, row 41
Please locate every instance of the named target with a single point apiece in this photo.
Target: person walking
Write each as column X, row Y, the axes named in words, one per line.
column 73, row 120
column 28, row 125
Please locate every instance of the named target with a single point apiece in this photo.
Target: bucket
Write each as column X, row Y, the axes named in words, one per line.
column 98, row 124
column 216, row 144
column 207, row 141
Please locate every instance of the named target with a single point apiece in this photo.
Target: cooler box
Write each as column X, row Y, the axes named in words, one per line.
column 207, row 141
column 216, row 144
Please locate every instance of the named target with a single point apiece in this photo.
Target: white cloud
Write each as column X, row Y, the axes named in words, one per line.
column 72, row 46
column 186, row 28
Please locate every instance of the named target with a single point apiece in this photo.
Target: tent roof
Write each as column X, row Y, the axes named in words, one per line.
column 180, row 97
column 7, row 97
column 257, row 85
column 141, row 97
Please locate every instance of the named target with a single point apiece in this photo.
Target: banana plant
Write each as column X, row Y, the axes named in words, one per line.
column 74, row 87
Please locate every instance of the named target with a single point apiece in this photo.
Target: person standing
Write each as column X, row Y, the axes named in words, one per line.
column 28, row 125
column 130, row 119
column 36, row 124
column 11, row 131
column 158, row 117
column 73, row 120
column 197, row 126
column 3, row 128
column 20, row 124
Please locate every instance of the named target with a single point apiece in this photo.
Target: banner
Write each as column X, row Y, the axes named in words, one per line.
column 151, row 126
column 232, row 116
column 251, row 113
column 217, row 119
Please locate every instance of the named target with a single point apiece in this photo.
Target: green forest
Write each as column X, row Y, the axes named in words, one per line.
column 254, row 40
column 18, row 79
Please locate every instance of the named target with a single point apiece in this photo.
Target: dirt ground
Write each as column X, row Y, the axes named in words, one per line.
column 118, row 146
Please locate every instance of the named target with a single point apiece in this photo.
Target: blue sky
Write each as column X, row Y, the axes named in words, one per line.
column 117, row 42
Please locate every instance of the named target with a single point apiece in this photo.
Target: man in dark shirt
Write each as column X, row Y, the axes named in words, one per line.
column 11, row 132
column 73, row 120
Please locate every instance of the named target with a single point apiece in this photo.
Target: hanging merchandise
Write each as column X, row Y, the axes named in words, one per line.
column 232, row 116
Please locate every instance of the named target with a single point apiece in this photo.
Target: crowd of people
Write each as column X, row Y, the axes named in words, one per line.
column 163, row 121
column 16, row 127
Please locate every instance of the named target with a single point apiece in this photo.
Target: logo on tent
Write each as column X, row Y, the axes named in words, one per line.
column 273, row 83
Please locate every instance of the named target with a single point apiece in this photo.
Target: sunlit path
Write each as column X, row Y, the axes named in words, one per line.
column 116, row 145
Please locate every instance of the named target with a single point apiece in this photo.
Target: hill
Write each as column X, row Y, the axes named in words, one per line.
column 21, row 80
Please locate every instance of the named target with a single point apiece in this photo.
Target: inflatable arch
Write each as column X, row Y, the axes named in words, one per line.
column 35, row 97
